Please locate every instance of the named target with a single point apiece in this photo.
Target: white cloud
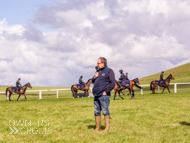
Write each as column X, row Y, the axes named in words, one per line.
column 141, row 37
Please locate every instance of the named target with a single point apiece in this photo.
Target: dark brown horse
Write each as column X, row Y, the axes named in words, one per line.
column 153, row 84
column 75, row 89
column 10, row 90
column 133, row 83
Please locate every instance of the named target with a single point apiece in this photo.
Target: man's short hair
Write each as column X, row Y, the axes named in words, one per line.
column 103, row 60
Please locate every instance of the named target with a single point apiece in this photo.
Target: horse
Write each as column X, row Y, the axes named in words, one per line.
column 155, row 83
column 133, row 83
column 9, row 91
column 76, row 87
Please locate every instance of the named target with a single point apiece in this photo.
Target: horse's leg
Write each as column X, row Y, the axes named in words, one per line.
column 25, row 97
column 133, row 94
column 88, row 94
column 163, row 89
column 115, row 94
column 18, row 96
column 120, row 95
column 154, row 87
column 76, row 93
column 84, row 93
column 168, row 89
column 10, row 96
column 129, row 91
column 73, row 91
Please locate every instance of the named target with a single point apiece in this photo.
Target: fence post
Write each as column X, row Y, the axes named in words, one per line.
column 40, row 94
column 57, row 93
column 158, row 89
column 141, row 90
column 175, row 88
column 7, row 96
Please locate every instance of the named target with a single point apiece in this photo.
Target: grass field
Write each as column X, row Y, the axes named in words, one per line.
column 146, row 119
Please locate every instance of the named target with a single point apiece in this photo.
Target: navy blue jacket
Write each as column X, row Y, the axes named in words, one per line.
column 104, row 82
column 122, row 77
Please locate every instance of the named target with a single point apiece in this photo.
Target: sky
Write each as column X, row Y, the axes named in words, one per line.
column 54, row 42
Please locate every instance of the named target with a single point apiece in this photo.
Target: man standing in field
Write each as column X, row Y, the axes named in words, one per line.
column 104, row 82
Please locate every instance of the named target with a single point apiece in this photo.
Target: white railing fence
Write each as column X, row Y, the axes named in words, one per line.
column 175, row 86
column 40, row 91
column 57, row 93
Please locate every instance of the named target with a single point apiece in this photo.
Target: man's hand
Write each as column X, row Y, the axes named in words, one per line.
column 104, row 93
column 96, row 75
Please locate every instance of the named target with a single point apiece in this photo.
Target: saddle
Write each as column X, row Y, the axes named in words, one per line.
column 14, row 88
column 125, row 83
column 159, row 82
column 80, row 86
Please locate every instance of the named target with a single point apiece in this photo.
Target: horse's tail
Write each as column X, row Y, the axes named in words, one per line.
column 72, row 90
column 151, row 85
column 6, row 92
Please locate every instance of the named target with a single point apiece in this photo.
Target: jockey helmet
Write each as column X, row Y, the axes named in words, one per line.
column 121, row 71
column 81, row 76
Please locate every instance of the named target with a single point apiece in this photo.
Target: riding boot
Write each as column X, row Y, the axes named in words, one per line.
column 119, row 85
column 18, row 90
column 107, row 123
column 98, row 122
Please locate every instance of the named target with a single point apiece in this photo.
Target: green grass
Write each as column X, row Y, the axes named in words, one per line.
column 149, row 118
column 181, row 74
column 146, row 119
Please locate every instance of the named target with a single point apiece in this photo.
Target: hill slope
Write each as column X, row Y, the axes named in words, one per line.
column 180, row 73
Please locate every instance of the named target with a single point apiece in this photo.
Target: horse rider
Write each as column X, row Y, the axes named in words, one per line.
column 18, row 85
column 81, row 82
column 127, row 76
column 122, row 78
column 162, row 78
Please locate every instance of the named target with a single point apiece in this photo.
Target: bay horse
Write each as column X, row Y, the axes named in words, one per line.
column 75, row 89
column 153, row 84
column 133, row 83
column 10, row 90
